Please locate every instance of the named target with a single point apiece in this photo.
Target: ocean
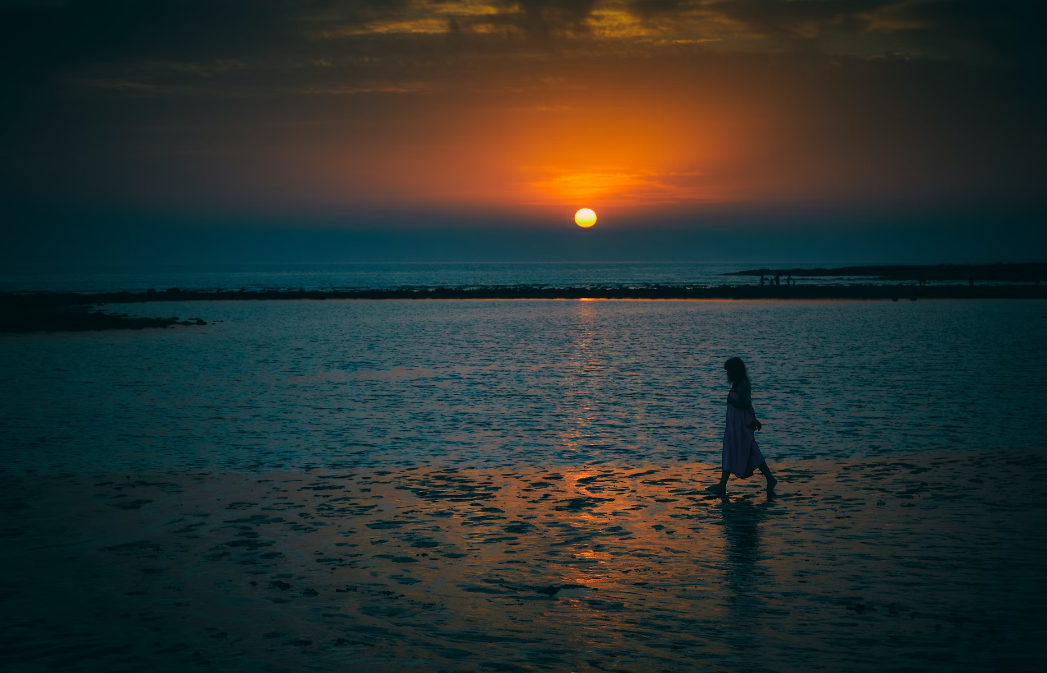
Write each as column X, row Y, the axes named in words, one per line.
column 292, row 384
column 520, row 485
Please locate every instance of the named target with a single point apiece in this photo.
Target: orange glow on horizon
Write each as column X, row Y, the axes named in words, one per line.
column 643, row 149
column 637, row 147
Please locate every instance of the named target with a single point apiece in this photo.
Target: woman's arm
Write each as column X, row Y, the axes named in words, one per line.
column 755, row 425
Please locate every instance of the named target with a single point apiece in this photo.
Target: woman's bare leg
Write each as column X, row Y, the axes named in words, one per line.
column 771, row 481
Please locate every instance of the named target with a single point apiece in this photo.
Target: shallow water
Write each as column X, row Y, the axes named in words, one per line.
column 931, row 563
column 519, row 486
column 289, row 384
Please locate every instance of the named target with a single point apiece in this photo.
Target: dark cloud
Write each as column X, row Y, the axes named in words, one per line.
column 797, row 17
column 1009, row 29
column 38, row 37
column 988, row 31
column 648, row 9
column 91, row 30
column 561, row 11
column 976, row 17
column 543, row 18
column 85, row 31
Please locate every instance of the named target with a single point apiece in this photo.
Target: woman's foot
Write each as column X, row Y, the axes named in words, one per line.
column 771, row 483
column 718, row 489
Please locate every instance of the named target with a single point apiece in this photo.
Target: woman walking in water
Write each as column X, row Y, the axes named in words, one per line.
column 741, row 453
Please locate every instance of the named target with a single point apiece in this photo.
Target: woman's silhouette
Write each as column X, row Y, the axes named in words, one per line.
column 741, row 453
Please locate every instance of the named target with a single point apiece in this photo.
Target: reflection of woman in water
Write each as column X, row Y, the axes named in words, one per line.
column 741, row 453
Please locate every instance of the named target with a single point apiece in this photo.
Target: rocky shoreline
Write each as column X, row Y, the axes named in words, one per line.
column 78, row 318
column 57, row 299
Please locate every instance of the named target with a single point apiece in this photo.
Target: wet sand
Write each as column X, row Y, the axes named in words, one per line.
column 890, row 564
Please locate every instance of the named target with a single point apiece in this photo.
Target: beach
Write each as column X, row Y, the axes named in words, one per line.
column 918, row 562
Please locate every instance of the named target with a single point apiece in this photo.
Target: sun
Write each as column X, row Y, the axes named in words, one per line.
column 585, row 218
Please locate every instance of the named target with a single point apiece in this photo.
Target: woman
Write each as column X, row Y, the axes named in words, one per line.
column 741, row 453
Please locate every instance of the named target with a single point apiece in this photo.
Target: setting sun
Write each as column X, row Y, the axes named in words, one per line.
column 585, row 217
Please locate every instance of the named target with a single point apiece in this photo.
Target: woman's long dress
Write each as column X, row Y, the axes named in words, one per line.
column 741, row 453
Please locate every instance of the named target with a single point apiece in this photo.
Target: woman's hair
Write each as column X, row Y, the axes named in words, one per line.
column 736, row 370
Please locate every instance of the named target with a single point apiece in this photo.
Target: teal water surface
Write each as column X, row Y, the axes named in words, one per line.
column 498, row 383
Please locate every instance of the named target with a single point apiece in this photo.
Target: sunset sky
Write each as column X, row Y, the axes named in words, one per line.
column 679, row 117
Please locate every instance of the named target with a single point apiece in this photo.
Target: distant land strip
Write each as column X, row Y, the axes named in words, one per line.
column 72, row 311
column 58, row 299
column 1033, row 272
